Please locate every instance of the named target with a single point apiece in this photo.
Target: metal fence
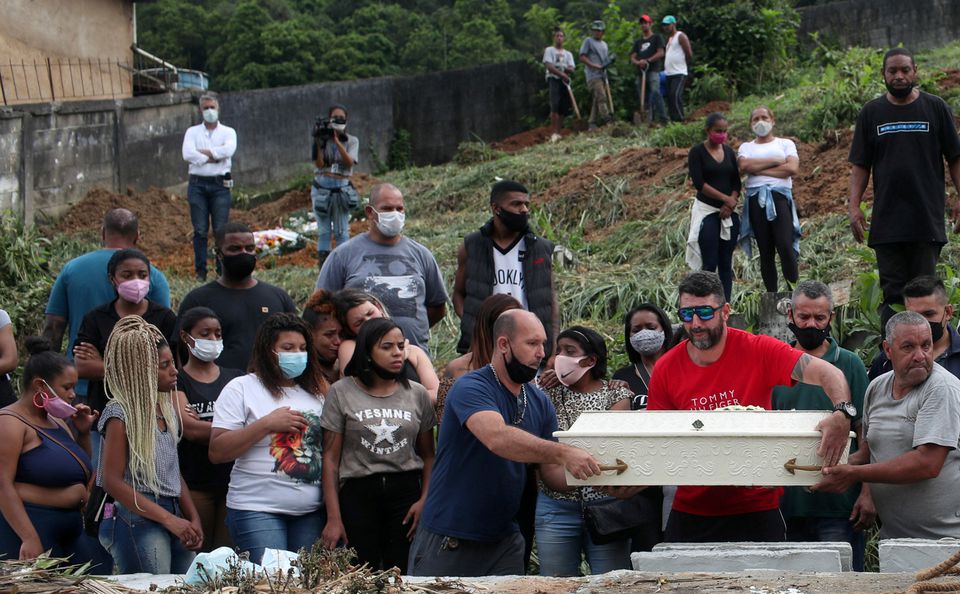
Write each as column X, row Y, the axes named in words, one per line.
column 57, row 79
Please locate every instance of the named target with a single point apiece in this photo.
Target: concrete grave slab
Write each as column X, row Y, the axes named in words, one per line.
column 914, row 554
column 719, row 560
column 842, row 548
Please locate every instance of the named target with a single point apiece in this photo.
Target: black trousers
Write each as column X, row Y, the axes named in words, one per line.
column 716, row 253
column 674, row 96
column 765, row 526
column 898, row 264
column 774, row 238
column 373, row 508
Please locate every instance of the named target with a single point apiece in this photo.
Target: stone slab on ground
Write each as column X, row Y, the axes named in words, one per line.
column 914, row 554
column 843, row 548
column 720, row 559
column 635, row 582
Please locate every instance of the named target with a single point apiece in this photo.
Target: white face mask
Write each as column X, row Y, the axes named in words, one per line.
column 761, row 128
column 211, row 116
column 206, row 350
column 390, row 223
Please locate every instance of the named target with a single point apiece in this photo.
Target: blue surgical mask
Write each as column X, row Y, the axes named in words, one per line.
column 292, row 365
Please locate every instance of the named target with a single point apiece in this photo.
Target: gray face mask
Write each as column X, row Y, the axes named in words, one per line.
column 646, row 341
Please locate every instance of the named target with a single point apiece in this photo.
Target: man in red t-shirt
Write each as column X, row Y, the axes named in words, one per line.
column 717, row 367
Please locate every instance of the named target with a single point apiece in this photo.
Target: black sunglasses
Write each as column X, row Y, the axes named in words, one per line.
column 704, row 312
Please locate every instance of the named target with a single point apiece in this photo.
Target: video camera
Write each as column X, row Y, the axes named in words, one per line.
column 324, row 128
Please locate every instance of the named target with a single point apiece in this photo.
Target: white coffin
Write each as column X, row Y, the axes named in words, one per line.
column 741, row 448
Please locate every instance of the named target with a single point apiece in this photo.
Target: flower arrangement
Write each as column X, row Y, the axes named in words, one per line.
column 277, row 242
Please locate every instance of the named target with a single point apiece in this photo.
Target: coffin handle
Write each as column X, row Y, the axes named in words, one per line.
column 620, row 466
column 792, row 466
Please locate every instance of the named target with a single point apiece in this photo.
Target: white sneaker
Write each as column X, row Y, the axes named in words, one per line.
column 555, row 137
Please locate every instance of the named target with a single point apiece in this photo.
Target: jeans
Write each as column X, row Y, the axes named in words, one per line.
column 327, row 216
column 562, row 536
column 675, row 84
column 209, row 201
column 717, row 253
column 654, row 105
column 59, row 531
column 828, row 530
column 255, row 531
column 139, row 545
column 762, row 526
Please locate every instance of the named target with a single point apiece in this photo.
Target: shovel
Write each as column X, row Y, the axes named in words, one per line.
column 643, row 94
column 573, row 100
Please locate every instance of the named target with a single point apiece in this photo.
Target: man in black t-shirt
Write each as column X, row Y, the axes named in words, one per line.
column 903, row 137
column 647, row 56
column 241, row 301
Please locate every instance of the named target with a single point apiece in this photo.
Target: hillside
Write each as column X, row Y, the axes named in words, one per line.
column 616, row 199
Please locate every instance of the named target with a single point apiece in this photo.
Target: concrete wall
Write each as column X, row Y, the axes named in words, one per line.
column 52, row 154
column 61, row 30
column 918, row 24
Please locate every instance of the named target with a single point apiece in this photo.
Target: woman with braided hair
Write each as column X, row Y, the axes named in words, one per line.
column 154, row 526
column 268, row 423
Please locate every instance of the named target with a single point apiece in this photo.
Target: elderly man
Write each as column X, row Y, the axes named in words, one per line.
column 824, row 517
column 911, row 427
column 496, row 421
column 718, row 367
column 208, row 149
column 402, row 273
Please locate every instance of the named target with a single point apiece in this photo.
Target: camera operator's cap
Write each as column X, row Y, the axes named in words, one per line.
column 598, row 26
column 669, row 20
column 645, row 18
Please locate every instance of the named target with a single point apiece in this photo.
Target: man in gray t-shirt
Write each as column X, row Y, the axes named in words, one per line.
column 403, row 274
column 911, row 424
column 595, row 55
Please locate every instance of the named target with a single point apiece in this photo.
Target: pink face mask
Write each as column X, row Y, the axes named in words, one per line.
column 53, row 404
column 134, row 290
column 718, row 137
column 568, row 369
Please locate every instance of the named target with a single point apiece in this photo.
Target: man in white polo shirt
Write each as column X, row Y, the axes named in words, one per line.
column 208, row 148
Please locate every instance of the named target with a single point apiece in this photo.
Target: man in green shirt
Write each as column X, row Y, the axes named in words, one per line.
column 824, row 517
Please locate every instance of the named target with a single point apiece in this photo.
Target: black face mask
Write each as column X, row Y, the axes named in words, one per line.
column 384, row 373
column 238, row 266
column 513, row 221
column 900, row 93
column 936, row 330
column 809, row 338
column 518, row 372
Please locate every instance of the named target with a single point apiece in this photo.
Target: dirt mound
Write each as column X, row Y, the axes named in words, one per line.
column 518, row 142
column 705, row 110
column 950, row 80
column 166, row 235
column 824, row 180
column 643, row 172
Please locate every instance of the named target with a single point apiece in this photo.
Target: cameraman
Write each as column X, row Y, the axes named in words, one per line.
column 334, row 197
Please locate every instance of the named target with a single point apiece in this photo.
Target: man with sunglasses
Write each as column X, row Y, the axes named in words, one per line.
column 718, row 367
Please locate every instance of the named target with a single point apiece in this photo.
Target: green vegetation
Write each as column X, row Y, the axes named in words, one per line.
column 266, row 43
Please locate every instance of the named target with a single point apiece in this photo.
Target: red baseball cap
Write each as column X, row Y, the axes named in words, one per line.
column 646, row 18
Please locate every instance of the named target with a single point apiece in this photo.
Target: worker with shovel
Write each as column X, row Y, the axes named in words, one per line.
column 647, row 56
column 596, row 56
column 560, row 65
